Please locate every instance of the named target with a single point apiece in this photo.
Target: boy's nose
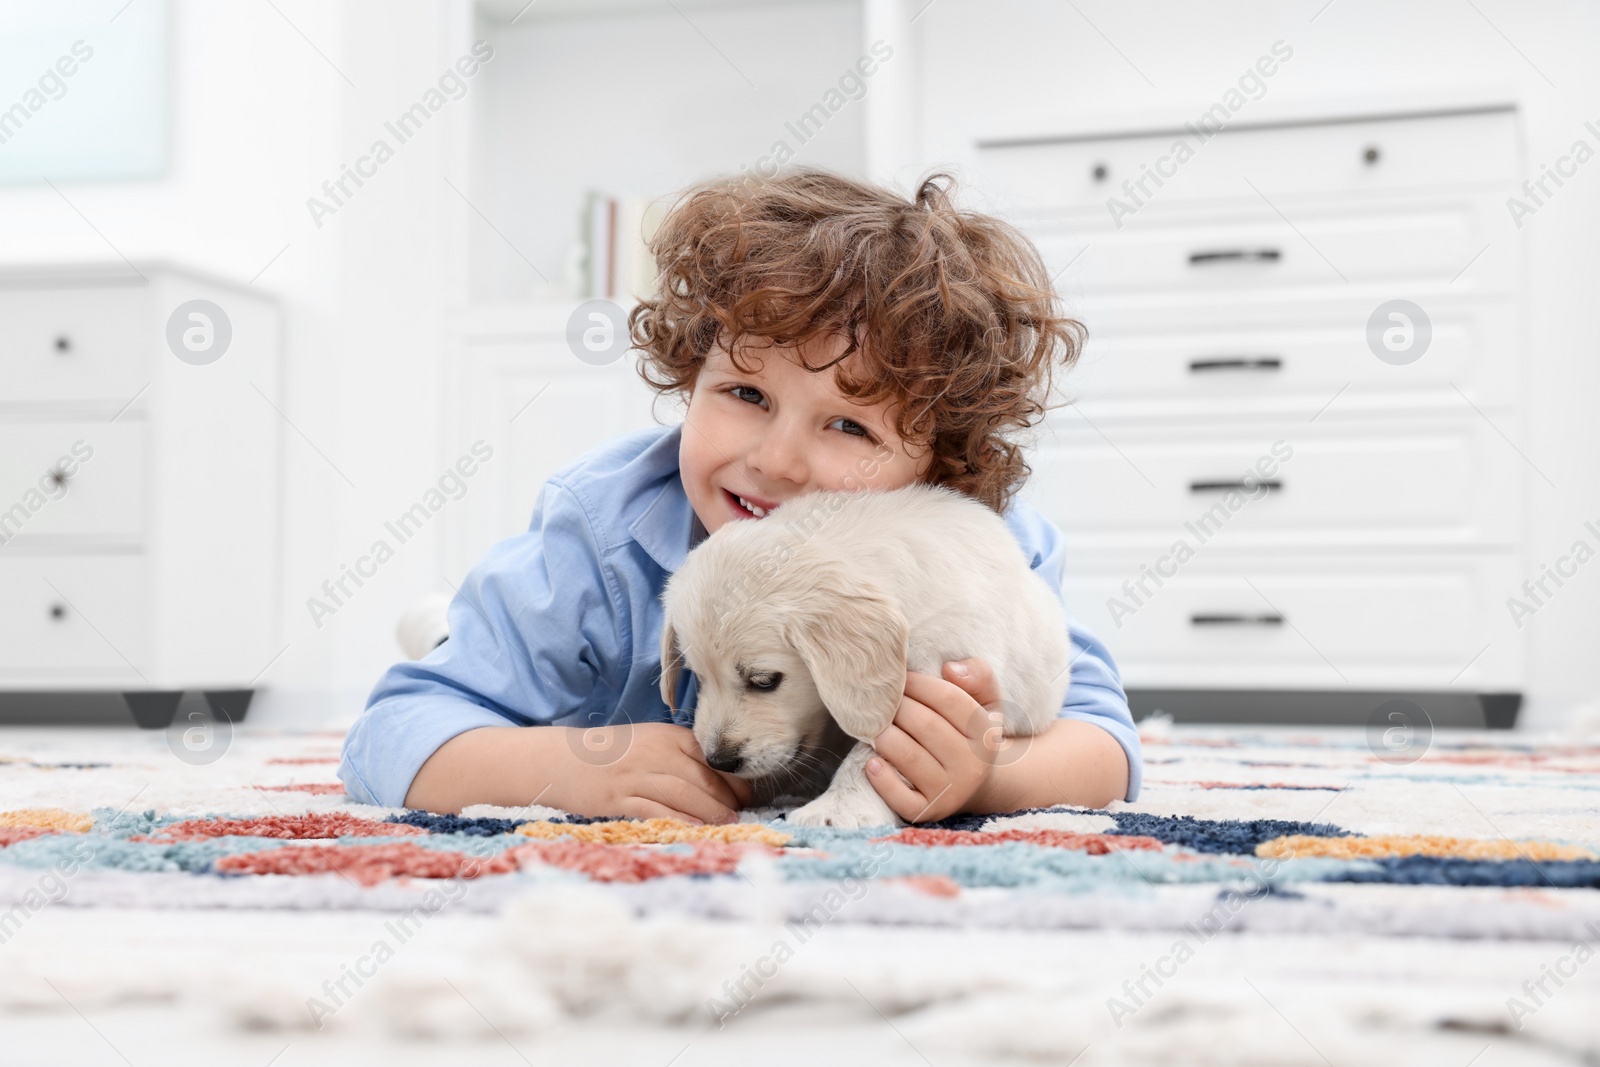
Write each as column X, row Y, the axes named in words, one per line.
column 728, row 758
column 780, row 457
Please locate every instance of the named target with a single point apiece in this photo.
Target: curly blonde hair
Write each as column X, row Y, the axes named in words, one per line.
column 952, row 311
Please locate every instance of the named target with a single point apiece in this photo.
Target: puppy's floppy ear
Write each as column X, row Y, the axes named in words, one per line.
column 853, row 640
column 671, row 661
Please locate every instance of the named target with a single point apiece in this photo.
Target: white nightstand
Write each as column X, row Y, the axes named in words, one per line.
column 1230, row 318
column 140, row 492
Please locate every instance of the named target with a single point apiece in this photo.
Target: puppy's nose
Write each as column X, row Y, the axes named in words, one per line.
column 727, row 757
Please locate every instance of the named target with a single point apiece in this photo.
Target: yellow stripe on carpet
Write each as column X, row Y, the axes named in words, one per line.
column 653, row 832
column 1385, row 846
column 71, row 822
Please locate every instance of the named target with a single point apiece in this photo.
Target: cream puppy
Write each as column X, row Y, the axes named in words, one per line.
column 801, row 626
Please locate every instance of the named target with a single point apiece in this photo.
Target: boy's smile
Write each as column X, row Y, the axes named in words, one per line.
column 782, row 431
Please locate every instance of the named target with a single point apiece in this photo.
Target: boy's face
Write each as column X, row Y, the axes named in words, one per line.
column 783, row 431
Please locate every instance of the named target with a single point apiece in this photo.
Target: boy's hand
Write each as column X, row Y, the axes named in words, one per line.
column 649, row 770
column 944, row 740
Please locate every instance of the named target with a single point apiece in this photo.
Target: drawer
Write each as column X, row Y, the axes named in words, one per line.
column 1250, row 249
column 72, row 483
column 1439, row 151
column 69, row 345
column 1305, row 622
column 72, row 617
column 1359, row 483
column 1299, row 365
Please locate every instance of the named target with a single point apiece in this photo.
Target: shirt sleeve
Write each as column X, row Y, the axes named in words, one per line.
column 1096, row 693
column 534, row 629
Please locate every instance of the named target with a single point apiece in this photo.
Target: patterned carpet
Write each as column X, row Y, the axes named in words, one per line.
column 1240, row 833
column 1487, row 835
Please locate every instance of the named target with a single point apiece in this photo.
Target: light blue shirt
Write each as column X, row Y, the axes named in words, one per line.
column 561, row 625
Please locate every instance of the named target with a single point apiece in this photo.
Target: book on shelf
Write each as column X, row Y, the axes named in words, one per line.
column 616, row 260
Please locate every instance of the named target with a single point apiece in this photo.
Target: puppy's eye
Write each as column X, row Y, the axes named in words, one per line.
column 765, row 681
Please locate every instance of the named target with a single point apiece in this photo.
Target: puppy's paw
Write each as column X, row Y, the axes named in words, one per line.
column 846, row 810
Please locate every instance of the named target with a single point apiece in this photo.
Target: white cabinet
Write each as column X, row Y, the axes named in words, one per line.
column 1231, row 250
column 1382, row 622
column 140, row 492
column 1459, row 147
column 522, row 391
column 1228, row 316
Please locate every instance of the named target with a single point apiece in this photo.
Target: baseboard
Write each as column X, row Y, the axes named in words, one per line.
column 1287, row 707
column 102, row 708
column 64, row 709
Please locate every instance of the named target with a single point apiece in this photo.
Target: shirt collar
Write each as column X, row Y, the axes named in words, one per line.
column 668, row 528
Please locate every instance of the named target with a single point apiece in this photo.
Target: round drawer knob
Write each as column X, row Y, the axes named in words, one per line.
column 1370, row 155
column 1099, row 172
column 58, row 611
column 58, row 477
column 63, row 344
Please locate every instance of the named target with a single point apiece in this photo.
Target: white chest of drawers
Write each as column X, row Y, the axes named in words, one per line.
column 140, row 492
column 1228, row 318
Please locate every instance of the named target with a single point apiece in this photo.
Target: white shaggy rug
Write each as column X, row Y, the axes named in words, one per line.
column 561, row 971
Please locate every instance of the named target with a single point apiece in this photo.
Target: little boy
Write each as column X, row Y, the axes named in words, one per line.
column 827, row 335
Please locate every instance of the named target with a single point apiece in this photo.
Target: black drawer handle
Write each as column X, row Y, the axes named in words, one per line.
column 1235, row 255
column 1225, row 487
column 63, row 344
column 1236, row 363
column 1236, row 620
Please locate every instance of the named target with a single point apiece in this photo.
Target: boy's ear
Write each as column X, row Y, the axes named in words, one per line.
column 853, row 640
column 670, row 664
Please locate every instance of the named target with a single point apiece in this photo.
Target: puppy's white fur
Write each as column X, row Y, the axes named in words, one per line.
column 841, row 593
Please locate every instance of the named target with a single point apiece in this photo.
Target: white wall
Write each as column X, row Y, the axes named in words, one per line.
column 644, row 101
column 260, row 121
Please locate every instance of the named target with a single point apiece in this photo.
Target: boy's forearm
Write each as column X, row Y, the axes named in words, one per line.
column 1073, row 762
column 508, row 766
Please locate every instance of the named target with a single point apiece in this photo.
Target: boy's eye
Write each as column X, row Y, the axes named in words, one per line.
column 751, row 395
column 765, row 681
